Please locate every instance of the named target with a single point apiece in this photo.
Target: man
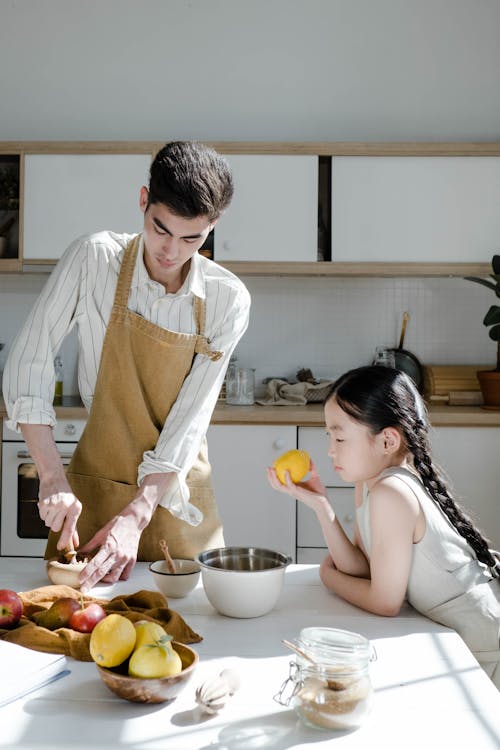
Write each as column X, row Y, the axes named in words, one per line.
column 157, row 323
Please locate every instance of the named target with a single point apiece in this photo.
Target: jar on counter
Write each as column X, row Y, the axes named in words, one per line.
column 331, row 689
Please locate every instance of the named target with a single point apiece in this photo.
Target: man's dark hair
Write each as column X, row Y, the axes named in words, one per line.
column 191, row 179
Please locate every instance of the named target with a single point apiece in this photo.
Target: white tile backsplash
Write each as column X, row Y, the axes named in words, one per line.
column 327, row 324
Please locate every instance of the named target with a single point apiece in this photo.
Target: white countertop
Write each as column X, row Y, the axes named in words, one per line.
column 429, row 690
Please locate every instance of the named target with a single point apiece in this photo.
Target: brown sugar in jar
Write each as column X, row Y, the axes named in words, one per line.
column 335, row 691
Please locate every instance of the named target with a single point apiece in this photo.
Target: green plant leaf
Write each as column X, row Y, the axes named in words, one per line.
column 492, row 316
column 483, row 282
column 495, row 333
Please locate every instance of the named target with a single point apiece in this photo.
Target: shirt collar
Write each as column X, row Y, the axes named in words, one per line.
column 193, row 284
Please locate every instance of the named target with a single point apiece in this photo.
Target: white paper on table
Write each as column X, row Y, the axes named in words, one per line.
column 25, row 670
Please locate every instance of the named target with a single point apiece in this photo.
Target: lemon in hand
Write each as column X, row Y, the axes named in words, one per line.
column 112, row 640
column 296, row 462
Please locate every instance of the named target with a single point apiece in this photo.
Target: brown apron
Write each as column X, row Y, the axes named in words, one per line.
column 141, row 371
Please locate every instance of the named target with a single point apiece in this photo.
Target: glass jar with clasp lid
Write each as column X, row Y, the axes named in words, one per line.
column 329, row 683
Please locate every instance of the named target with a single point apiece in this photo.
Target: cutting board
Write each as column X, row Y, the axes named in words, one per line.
column 453, row 384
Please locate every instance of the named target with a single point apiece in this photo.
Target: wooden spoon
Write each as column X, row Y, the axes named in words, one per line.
column 298, row 651
column 168, row 559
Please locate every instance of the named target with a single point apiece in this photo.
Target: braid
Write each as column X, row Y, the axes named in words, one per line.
column 418, row 444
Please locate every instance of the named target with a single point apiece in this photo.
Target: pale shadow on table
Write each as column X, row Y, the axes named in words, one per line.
column 278, row 731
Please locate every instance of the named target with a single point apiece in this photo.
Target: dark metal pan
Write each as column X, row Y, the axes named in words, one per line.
column 407, row 361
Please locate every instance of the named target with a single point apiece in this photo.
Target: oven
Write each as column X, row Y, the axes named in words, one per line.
column 22, row 532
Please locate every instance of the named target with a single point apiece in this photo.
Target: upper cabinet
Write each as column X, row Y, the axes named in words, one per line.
column 432, row 209
column 274, row 211
column 67, row 195
column 299, row 209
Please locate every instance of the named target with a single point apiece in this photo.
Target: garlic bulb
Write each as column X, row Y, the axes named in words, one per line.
column 213, row 694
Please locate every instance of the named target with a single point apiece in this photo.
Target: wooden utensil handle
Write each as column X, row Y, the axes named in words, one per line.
column 403, row 329
column 166, row 553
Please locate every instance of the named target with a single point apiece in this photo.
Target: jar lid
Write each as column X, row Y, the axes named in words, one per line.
column 327, row 645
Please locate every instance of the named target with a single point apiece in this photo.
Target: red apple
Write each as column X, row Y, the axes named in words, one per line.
column 86, row 618
column 11, row 608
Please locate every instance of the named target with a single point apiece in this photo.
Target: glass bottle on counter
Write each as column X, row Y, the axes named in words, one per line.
column 329, row 684
column 231, row 381
column 58, row 389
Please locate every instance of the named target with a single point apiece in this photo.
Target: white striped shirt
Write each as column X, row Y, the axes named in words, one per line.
column 80, row 292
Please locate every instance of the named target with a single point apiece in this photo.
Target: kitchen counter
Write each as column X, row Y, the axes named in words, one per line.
column 429, row 690
column 310, row 415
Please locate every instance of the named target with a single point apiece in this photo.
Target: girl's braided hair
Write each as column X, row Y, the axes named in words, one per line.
column 381, row 397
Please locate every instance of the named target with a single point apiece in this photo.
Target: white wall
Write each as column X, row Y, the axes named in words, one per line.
column 250, row 69
column 390, row 70
column 328, row 325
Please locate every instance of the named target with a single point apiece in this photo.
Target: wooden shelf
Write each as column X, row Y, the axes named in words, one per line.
column 315, row 148
column 390, row 270
column 298, row 268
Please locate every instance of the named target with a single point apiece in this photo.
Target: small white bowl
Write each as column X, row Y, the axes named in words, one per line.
column 178, row 584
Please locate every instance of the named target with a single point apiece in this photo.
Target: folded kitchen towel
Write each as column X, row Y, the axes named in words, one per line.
column 282, row 393
column 142, row 605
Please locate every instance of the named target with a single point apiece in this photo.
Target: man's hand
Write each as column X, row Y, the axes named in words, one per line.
column 119, row 538
column 58, row 506
column 60, row 511
column 118, row 541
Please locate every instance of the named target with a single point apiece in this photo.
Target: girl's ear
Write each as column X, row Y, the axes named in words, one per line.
column 391, row 440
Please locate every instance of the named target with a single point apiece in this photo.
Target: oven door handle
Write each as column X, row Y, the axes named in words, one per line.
column 25, row 454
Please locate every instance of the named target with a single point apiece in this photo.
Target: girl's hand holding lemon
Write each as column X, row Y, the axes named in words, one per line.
column 286, row 474
column 296, row 462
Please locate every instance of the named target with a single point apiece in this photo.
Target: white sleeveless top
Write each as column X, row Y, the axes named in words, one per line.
column 447, row 583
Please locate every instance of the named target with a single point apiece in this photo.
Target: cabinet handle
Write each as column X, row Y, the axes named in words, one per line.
column 70, row 429
column 279, row 444
column 349, row 518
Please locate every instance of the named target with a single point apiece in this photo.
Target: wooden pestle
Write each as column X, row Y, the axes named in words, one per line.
column 166, row 553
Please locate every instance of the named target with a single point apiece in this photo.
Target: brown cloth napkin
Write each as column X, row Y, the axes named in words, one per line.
column 143, row 605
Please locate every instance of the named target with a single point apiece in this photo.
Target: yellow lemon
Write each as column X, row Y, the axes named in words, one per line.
column 157, row 659
column 296, row 462
column 112, row 640
column 147, row 632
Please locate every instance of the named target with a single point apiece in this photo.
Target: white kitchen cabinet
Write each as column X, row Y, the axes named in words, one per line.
column 274, row 211
column 253, row 514
column 67, row 195
column 311, row 546
column 470, row 458
column 415, row 209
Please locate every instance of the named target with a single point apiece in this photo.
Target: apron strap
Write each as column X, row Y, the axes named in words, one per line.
column 126, row 272
column 202, row 346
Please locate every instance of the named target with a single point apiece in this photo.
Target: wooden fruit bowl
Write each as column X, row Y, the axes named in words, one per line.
column 151, row 690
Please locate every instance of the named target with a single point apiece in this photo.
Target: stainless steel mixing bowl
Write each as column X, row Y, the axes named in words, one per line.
column 243, row 581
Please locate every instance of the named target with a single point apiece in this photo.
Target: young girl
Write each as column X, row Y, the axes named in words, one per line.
column 411, row 538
